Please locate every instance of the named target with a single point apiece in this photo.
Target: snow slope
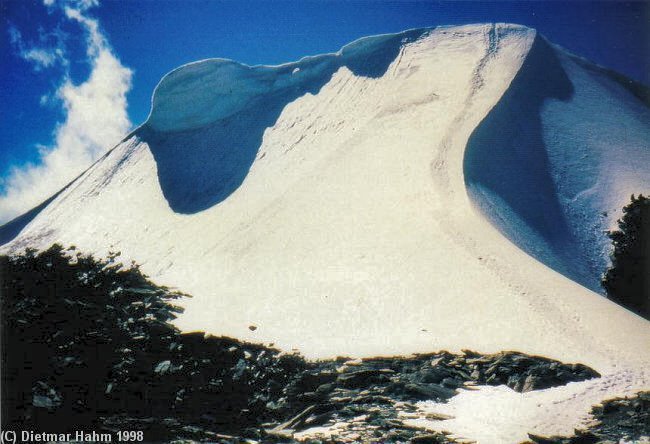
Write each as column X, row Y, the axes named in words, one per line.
column 435, row 189
column 578, row 140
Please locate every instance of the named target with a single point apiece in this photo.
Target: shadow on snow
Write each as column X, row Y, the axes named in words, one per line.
column 200, row 167
column 507, row 170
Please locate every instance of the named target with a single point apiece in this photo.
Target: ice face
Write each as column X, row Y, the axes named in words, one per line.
column 203, row 92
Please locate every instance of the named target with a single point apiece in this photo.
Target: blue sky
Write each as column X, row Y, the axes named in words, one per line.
column 73, row 69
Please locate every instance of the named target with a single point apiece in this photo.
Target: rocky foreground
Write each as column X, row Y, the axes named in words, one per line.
column 87, row 344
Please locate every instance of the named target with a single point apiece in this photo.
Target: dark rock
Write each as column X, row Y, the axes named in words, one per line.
column 311, row 415
column 309, row 397
column 325, row 388
column 451, row 383
column 363, row 378
column 310, row 381
column 48, row 402
column 429, row 391
column 581, row 438
column 163, row 367
column 433, row 375
column 44, row 396
column 543, row 440
column 428, row 439
column 618, row 420
column 239, row 369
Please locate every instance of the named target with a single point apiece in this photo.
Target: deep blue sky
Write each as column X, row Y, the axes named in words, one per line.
column 153, row 37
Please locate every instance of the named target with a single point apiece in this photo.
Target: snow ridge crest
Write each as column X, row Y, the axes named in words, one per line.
column 202, row 92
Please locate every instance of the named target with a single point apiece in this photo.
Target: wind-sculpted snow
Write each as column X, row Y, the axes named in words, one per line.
column 507, row 168
column 550, row 166
column 204, row 92
column 208, row 118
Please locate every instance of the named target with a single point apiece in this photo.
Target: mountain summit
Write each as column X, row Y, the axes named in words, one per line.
column 435, row 189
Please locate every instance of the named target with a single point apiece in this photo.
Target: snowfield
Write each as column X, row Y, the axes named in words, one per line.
column 443, row 188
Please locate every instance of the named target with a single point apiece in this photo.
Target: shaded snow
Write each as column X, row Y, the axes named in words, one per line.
column 325, row 202
column 207, row 91
column 557, row 158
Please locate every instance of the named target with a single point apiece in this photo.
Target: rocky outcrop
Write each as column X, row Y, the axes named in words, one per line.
column 88, row 344
column 617, row 420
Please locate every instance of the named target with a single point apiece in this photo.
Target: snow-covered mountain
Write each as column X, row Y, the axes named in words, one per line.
column 443, row 188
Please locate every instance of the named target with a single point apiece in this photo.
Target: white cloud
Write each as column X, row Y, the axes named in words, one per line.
column 81, row 5
column 40, row 56
column 95, row 118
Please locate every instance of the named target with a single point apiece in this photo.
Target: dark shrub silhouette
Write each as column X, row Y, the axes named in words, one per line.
column 87, row 343
column 628, row 280
column 66, row 322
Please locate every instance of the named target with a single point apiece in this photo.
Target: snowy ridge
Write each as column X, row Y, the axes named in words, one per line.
column 356, row 204
column 206, row 91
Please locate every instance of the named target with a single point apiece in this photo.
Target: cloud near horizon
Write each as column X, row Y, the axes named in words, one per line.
column 95, row 112
column 41, row 57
